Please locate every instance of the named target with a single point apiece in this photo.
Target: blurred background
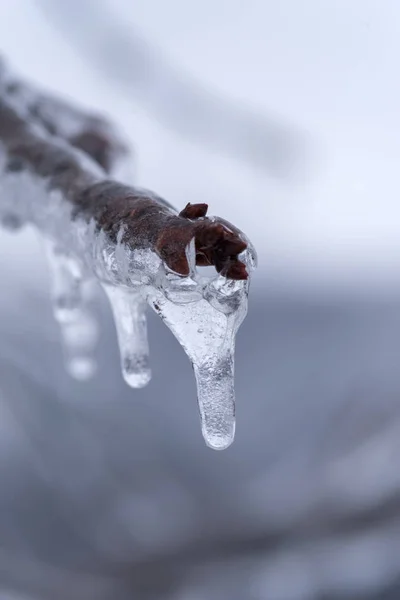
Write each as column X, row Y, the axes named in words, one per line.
column 284, row 117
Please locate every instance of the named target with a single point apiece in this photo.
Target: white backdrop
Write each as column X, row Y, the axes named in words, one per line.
column 329, row 68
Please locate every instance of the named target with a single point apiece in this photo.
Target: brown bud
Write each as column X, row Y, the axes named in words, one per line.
column 194, row 211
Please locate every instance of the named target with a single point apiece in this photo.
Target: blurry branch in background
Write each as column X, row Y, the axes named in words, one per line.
column 88, row 132
column 172, row 96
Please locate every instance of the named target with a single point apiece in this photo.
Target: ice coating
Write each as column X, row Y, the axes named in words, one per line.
column 203, row 312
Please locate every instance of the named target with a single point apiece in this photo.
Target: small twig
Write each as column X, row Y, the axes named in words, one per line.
column 132, row 241
column 149, row 221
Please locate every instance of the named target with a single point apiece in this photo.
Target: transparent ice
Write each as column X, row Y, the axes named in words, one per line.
column 206, row 329
column 70, row 294
column 129, row 310
column 204, row 312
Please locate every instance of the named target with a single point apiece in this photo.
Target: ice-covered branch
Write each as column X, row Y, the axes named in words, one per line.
column 93, row 134
column 139, row 248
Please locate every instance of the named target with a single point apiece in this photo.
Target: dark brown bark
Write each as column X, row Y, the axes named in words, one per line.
column 150, row 222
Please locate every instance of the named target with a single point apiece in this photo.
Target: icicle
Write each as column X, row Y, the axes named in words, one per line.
column 206, row 329
column 79, row 340
column 207, row 336
column 216, row 398
column 79, row 331
column 129, row 310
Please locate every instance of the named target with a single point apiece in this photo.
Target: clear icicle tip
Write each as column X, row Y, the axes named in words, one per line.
column 128, row 307
column 206, row 328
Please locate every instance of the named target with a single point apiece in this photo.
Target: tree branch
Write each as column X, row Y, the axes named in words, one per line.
column 149, row 221
column 132, row 241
